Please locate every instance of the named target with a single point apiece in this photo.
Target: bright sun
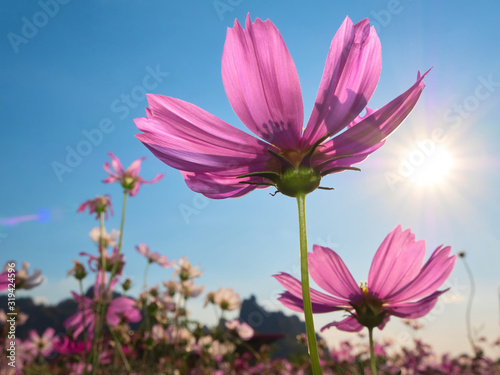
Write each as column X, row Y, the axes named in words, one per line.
column 434, row 168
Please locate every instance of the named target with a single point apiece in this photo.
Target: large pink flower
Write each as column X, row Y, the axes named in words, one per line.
column 397, row 284
column 129, row 178
column 262, row 85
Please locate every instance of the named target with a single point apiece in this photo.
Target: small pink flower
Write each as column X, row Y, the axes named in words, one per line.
column 153, row 257
column 23, row 279
column 129, row 178
column 121, row 309
column 43, row 345
column 245, row 332
column 67, row 347
column 97, row 205
column 397, row 284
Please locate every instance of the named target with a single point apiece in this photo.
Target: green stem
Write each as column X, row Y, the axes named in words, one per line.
column 306, row 292
column 99, row 298
column 119, row 349
column 468, row 312
column 82, row 305
column 372, row 352
column 114, row 270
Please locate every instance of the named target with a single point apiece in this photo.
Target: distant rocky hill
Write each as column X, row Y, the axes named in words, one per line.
column 263, row 321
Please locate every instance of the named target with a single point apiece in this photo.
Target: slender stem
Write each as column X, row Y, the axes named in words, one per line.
column 372, row 352
column 99, row 298
column 82, row 305
column 306, row 292
column 119, row 349
column 469, row 306
column 116, row 261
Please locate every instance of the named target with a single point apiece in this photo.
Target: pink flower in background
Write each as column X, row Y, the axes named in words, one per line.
column 262, row 85
column 43, row 345
column 121, row 309
column 129, row 178
column 97, row 205
column 23, row 279
column 67, row 347
column 153, row 257
column 245, row 332
column 397, row 284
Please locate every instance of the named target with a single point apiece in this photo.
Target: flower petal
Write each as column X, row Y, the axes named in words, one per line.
column 330, row 273
column 349, row 324
column 262, row 84
column 297, row 304
column 434, row 273
column 351, row 73
column 135, row 167
column 294, row 287
column 413, row 310
column 217, row 187
column 396, row 263
column 377, row 126
column 190, row 139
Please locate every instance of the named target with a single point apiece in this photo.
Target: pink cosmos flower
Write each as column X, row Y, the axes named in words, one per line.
column 153, row 257
column 43, row 345
column 397, row 284
column 245, row 332
column 67, row 347
column 262, row 85
column 121, row 309
column 97, row 205
column 129, row 178
column 22, row 277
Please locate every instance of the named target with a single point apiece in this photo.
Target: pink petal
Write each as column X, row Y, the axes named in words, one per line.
column 121, row 306
column 351, row 73
column 190, row 139
column 434, row 273
column 262, row 84
column 377, row 126
column 413, row 310
column 349, row 324
column 217, row 187
column 115, row 162
column 34, row 335
column 158, row 177
column 294, row 287
column 396, row 263
column 330, row 273
column 297, row 304
column 135, row 167
column 48, row 334
column 143, row 249
column 110, row 179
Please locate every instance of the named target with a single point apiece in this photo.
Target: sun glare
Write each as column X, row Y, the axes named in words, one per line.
column 434, row 168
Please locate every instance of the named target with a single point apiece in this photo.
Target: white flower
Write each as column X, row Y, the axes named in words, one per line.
column 185, row 270
column 227, row 299
column 109, row 239
column 153, row 257
column 188, row 289
column 24, row 281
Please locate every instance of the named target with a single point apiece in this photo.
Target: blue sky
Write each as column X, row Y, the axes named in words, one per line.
column 72, row 68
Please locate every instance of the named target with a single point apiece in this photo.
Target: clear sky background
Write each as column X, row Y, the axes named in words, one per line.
column 68, row 69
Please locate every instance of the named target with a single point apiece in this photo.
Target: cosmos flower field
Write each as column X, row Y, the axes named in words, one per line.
column 116, row 332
